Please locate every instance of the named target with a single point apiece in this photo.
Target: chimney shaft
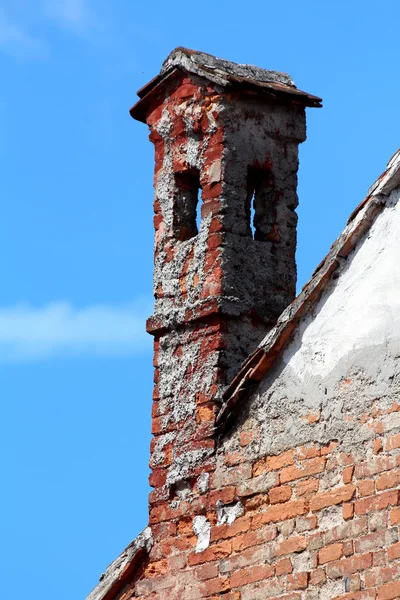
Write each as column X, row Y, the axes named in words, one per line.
column 226, row 157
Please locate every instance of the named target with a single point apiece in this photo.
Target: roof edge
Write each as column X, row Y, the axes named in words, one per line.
column 122, row 568
column 264, row 357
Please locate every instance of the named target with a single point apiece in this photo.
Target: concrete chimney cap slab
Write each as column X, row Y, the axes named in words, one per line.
column 225, row 74
column 220, row 71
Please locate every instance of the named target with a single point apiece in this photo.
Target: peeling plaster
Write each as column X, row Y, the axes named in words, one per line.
column 203, row 482
column 202, row 530
column 228, row 513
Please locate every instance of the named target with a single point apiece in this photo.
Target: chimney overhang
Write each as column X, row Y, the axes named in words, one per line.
column 226, row 76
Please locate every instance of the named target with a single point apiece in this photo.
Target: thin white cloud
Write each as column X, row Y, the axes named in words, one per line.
column 72, row 14
column 30, row 334
column 17, row 41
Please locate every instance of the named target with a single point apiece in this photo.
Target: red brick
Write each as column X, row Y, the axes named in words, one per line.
column 248, row 540
column 363, row 595
column 246, row 437
column 328, row 448
column 388, row 480
column 292, row 544
column 306, row 523
column 348, row 474
column 280, row 512
column 365, row 487
column 382, row 575
column 283, row 567
column 254, row 538
column 365, row 505
column 305, row 452
column 379, row 558
column 215, row 586
column 348, row 548
column 395, row 516
column 390, row 498
column 220, row 532
column 307, row 487
column 330, row 553
column 348, row 510
column 299, row 581
column 215, row 552
column 389, row 591
column 254, row 502
column 282, row 460
column 317, row 577
column 251, row 574
column 247, row 558
column 347, row 566
column 280, row 494
column 154, row 569
column 333, row 497
column 226, row 495
column 393, row 441
column 308, row 467
column 273, row 463
column 347, row 459
column 207, row 571
column 394, row 551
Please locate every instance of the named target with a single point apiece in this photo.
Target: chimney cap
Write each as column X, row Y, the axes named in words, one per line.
column 225, row 74
column 220, row 71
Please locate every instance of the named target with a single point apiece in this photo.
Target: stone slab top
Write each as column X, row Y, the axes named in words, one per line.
column 223, row 74
column 220, row 70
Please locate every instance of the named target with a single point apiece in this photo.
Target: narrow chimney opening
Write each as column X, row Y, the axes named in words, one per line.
column 187, row 205
column 252, row 214
column 260, row 204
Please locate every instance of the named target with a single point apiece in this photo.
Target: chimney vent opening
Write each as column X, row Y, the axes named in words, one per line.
column 187, row 205
column 260, row 203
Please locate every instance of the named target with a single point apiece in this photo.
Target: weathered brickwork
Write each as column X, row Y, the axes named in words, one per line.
column 221, row 279
column 294, row 492
column 311, row 522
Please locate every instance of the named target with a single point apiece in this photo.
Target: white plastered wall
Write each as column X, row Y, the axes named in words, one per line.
column 362, row 310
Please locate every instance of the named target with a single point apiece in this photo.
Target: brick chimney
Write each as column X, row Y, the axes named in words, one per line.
column 226, row 142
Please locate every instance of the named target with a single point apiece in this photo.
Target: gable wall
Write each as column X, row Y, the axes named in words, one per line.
column 304, row 501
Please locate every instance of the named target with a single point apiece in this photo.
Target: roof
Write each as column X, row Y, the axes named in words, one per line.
column 119, row 573
column 264, row 357
column 222, row 73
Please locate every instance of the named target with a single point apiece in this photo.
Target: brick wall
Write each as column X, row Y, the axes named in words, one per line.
column 311, row 522
column 301, row 499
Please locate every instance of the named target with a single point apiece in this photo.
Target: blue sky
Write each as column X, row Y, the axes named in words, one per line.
column 76, row 239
